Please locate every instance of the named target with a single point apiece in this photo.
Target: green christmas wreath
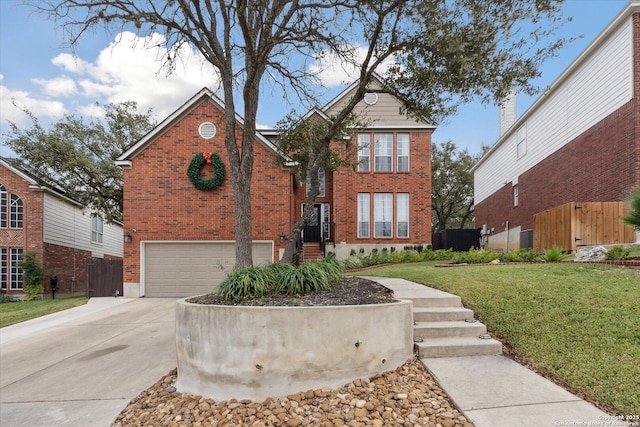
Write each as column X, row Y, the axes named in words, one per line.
column 197, row 162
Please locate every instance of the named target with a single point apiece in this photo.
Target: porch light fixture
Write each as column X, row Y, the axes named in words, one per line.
column 281, row 236
column 127, row 238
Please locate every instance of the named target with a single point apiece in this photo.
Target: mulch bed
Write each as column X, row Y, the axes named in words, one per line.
column 348, row 291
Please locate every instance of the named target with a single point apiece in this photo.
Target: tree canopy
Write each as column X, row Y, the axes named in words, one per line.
column 78, row 155
column 443, row 52
column 452, row 186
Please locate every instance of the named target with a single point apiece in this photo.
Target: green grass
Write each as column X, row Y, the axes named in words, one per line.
column 16, row 312
column 578, row 324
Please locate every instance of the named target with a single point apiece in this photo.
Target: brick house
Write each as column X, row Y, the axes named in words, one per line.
column 182, row 238
column 63, row 233
column 579, row 142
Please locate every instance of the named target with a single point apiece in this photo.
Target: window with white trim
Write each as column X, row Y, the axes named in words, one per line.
column 383, row 214
column 364, row 214
column 322, row 181
column 522, row 141
column 97, row 225
column 515, row 195
column 4, row 268
column 402, row 213
column 402, row 152
column 364, row 152
column 15, row 209
column 3, row 207
column 16, row 272
column 383, row 152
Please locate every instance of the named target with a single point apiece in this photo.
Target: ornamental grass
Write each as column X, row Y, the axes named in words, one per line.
column 280, row 279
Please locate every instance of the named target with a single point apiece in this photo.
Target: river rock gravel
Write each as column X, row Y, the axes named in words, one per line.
column 408, row 396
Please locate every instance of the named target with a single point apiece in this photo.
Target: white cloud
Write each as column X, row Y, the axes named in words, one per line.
column 332, row 71
column 58, row 87
column 70, row 63
column 130, row 68
column 23, row 99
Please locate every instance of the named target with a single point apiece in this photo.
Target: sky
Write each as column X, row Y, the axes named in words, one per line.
column 38, row 72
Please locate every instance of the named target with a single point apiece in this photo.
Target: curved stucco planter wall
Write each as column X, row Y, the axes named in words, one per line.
column 253, row 353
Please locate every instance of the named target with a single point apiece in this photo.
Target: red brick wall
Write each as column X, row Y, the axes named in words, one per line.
column 600, row 165
column 30, row 237
column 417, row 182
column 69, row 264
column 161, row 203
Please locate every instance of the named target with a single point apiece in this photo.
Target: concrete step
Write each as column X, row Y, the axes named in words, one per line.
column 451, row 329
column 444, row 314
column 457, row 347
column 438, row 300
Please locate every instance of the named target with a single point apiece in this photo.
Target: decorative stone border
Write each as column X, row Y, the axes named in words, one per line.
column 248, row 352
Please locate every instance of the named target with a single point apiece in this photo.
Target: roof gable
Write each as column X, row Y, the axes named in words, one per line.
column 204, row 94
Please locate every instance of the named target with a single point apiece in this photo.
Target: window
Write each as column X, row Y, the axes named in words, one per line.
column 403, row 152
column 522, row 141
column 515, row 195
column 364, row 207
column 3, row 268
column 402, row 208
column 383, row 152
column 96, row 228
column 364, row 152
column 383, row 214
column 16, row 211
column 16, row 272
column 3, row 207
column 321, row 178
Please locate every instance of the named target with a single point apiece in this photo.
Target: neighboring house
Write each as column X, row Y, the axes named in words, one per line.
column 182, row 239
column 63, row 233
column 579, row 142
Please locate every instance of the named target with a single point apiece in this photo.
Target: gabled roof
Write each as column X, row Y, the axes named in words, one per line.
column 345, row 93
column 631, row 8
column 125, row 158
column 14, row 166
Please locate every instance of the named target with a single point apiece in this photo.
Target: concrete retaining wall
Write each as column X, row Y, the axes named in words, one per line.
column 253, row 353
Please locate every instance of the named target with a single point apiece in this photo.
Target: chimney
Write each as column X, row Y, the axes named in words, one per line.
column 508, row 112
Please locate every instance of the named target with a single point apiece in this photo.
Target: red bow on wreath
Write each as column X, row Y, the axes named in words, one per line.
column 207, row 157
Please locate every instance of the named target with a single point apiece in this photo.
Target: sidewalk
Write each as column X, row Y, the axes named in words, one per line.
column 495, row 391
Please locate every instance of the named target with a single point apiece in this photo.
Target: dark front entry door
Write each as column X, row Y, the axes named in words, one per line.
column 312, row 230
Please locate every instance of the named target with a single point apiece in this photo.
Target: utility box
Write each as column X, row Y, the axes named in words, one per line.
column 526, row 239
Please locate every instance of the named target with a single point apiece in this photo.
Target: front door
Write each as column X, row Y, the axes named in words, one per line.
column 312, row 230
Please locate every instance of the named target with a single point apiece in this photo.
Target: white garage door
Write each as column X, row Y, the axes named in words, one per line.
column 181, row 269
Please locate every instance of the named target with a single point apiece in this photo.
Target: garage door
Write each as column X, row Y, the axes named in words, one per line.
column 180, row 269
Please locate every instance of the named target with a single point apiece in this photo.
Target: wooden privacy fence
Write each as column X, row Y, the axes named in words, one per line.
column 581, row 224
column 104, row 277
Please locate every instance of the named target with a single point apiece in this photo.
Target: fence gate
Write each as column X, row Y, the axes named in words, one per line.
column 581, row 224
column 104, row 277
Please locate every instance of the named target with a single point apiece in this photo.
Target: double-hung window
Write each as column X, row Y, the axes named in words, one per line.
column 383, row 147
column 97, row 225
column 16, row 272
column 3, row 207
column 321, row 180
column 383, row 214
column 402, row 209
column 402, row 150
column 364, row 215
column 4, row 268
column 364, row 152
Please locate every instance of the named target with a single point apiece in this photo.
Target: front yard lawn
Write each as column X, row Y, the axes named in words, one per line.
column 19, row 311
column 577, row 324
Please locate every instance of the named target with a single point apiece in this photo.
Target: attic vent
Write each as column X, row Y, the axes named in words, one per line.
column 370, row 98
column 207, row 130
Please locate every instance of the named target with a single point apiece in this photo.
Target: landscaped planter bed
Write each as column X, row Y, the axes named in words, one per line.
column 249, row 352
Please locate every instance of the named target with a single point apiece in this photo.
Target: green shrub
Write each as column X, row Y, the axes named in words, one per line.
column 351, row 263
column 633, row 218
column 554, row 254
column 33, row 275
column 474, row 256
column 247, row 283
column 521, row 255
column 617, row 252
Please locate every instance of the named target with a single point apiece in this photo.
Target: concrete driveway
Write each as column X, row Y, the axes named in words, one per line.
column 81, row 367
